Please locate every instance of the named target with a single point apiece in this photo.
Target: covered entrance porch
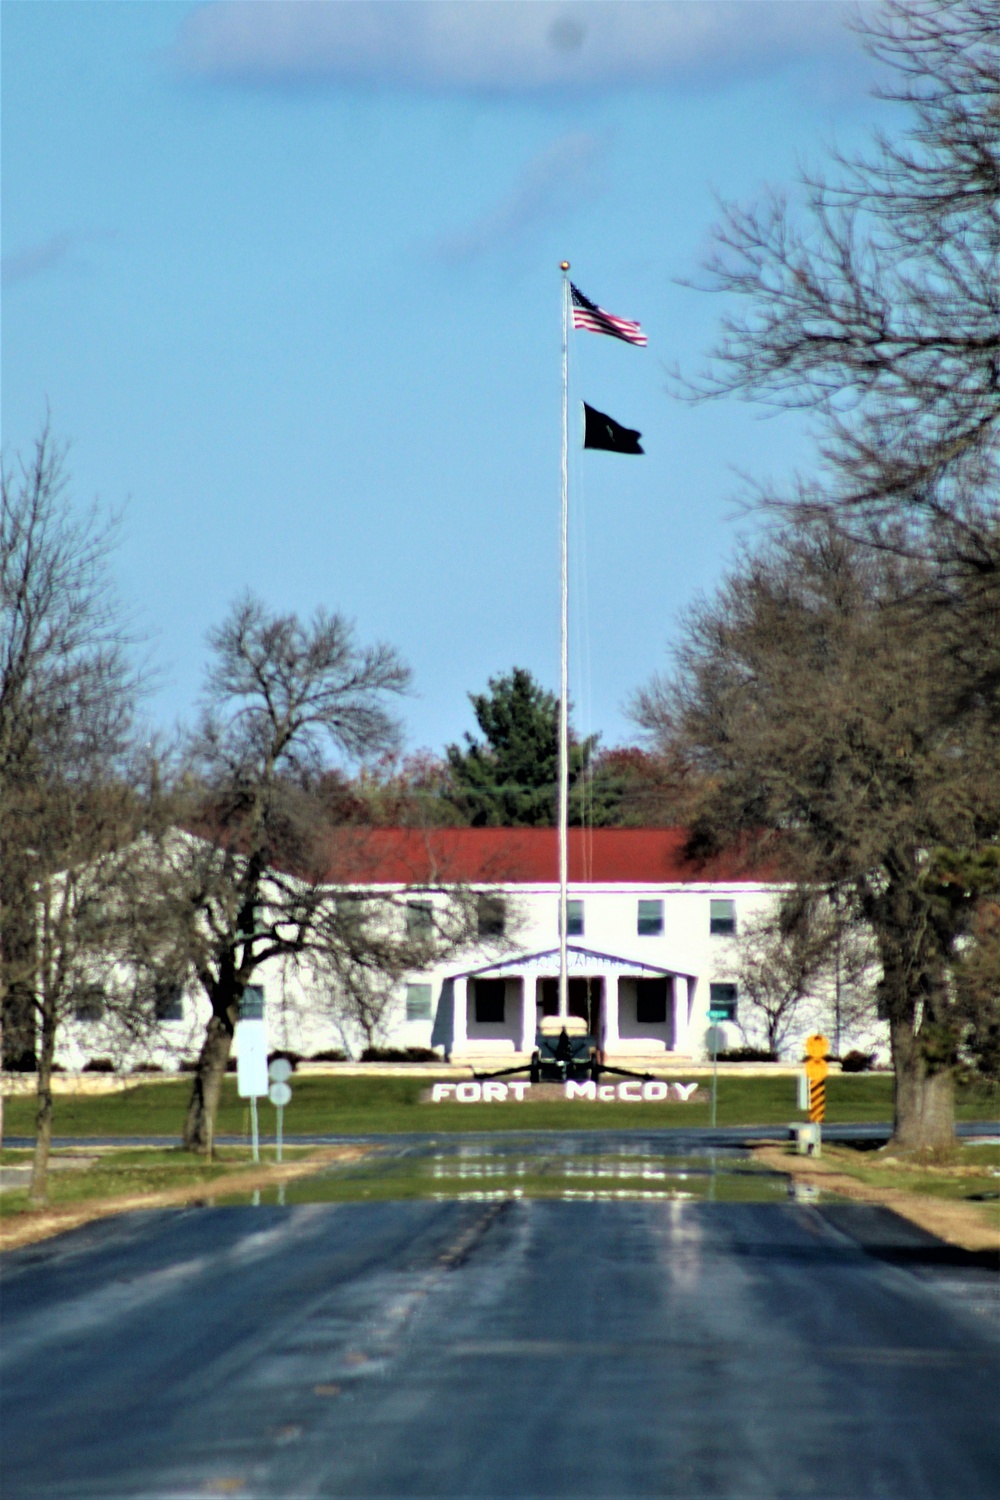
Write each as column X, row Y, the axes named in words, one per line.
column 633, row 1009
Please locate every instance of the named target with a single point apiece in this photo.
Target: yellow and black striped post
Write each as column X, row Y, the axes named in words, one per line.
column 817, row 1067
column 817, row 1099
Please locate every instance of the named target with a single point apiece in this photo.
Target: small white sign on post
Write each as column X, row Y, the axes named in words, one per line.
column 251, row 1054
column 279, row 1093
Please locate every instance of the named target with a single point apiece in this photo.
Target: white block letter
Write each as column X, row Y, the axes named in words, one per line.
column 493, row 1091
column 468, row 1093
column 517, row 1089
column 655, row 1089
column 441, row 1091
column 625, row 1092
column 684, row 1090
column 576, row 1090
column 606, row 1091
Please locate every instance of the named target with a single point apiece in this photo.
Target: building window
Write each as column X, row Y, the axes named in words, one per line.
column 651, row 1001
column 418, row 1002
column 722, row 918
column 491, row 995
column 492, row 913
column 574, row 919
column 419, row 919
column 168, row 1002
column 252, row 1003
column 650, row 923
column 89, row 1004
column 722, row 997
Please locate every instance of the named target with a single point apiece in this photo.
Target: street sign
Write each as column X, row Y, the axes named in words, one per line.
column 817, row 1045
column 715, row 1039
column 816, row 1068
column 280, row 1094
column 251, row 1059
column 721, row 1015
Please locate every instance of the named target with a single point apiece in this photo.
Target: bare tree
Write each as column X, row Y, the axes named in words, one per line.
column 247, row 883
column 69, row 802
column 875, row 306
column 84, row 913
column 816, row 706
column 802, row 958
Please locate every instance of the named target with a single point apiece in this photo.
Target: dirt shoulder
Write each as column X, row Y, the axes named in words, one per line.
column 971, row 1226
column 31, row 1225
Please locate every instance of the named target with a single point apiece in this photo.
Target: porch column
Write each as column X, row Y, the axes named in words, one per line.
column 460, row 1039
column 679, row 991
column 611, row 1037
column 692, row 985
column 528, row 1013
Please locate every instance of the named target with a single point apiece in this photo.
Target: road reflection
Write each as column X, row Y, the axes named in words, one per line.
column 583, row 1168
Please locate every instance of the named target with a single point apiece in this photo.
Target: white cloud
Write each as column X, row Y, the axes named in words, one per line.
column 548, row 187
column 506, row 45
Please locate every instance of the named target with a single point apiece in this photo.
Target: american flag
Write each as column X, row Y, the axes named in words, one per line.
column 587, row 314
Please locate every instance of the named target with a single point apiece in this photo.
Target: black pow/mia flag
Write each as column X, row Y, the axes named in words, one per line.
column 601, row 431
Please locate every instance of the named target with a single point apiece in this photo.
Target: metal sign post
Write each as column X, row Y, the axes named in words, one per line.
column 254, row 1133
column 716, row 1038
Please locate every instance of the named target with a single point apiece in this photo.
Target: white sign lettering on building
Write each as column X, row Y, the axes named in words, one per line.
column 631, row 1091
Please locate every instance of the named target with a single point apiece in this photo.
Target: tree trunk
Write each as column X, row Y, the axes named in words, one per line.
column 38, row 1192
column 924, row 1099
column 19, row 959
column 199, row 1126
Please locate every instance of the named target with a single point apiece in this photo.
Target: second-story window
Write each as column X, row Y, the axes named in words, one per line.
column 492, row 915
column 419, row 919
column 722, row 918
column 574, row 919
column 650, row 920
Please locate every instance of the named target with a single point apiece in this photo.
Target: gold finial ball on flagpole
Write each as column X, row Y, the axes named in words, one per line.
column 564, row 265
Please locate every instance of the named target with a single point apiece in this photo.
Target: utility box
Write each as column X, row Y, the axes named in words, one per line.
column 808, row 1139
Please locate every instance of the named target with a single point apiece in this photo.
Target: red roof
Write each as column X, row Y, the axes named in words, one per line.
column 528, row 856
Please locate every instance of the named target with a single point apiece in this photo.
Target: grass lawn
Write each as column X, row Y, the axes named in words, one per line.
column 356, row 1106
column 122, row 1172
column 968, row 1172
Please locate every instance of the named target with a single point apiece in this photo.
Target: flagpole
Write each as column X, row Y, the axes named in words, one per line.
column 564, row 660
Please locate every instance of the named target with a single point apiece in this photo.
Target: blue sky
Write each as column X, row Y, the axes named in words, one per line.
column 286, row 277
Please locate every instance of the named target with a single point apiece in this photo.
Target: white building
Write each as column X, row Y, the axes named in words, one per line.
column 651, row 942
column 652, row 948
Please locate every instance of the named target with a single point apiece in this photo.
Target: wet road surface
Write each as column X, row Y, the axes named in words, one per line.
column 647, row 1339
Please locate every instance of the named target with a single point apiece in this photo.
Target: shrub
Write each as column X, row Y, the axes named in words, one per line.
column 748, row 1054
column 100, row 1065
column 331, row 1054
column 146, row 1068
column 399, row 1055
column 856, row 1062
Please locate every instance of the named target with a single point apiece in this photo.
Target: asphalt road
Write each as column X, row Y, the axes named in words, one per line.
column 500, row 1348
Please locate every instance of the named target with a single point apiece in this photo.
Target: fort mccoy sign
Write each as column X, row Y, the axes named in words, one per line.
column 632, row 1091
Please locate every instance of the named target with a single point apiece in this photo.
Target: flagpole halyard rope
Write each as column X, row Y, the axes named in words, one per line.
column 564, row 658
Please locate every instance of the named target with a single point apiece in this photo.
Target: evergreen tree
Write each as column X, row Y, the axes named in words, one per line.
column 510, row 777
